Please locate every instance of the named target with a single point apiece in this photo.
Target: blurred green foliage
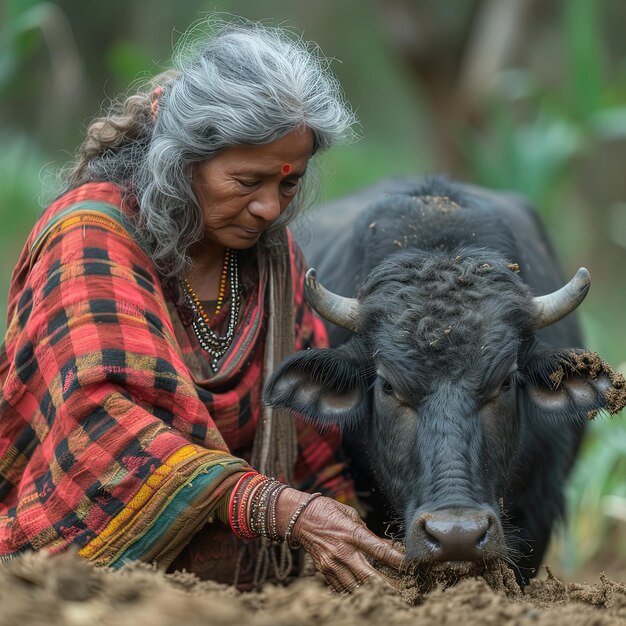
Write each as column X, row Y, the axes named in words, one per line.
column 538, row 130
column 554, row 131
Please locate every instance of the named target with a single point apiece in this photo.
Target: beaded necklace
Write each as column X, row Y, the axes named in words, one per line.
column 216, row 345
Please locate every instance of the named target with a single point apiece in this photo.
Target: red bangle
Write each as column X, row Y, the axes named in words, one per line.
column 243, row 525
column 231, row 502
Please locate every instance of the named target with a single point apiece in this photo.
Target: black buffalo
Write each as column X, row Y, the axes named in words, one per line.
column 455, row 385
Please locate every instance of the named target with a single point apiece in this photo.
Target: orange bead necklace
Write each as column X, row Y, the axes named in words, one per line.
column 216, row 345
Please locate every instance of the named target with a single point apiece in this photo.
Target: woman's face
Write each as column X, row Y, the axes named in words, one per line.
column 244, row 189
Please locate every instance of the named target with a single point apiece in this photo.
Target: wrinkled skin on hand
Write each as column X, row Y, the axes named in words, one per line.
column 336, row 538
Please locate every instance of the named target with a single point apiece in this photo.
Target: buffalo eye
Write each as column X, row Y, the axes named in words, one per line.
column 386, row 387
column 510, row 381
column 507, row 383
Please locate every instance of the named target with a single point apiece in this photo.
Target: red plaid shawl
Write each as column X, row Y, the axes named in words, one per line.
column 111, row 438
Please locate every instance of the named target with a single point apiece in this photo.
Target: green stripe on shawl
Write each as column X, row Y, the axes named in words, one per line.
column 203, row 481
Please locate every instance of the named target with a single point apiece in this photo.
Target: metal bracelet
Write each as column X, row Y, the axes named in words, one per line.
column 258, row 507
column 294, row 519
column 271, row 524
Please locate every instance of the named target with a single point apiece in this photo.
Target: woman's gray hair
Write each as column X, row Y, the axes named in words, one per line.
column 249, row 85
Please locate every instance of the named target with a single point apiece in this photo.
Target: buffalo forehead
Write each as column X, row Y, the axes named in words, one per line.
column 455, row 317
column 417, row 296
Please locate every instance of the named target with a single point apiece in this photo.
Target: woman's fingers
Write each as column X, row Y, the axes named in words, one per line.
column 338, row 586
column 351, row 572
column 378, row 548
column 363, row 571
column 346, row 579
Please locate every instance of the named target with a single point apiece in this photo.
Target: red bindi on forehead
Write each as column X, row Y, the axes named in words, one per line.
column 286, row 168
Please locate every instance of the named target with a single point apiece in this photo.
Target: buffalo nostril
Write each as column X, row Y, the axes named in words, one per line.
column 484, row 539
column 430, row 539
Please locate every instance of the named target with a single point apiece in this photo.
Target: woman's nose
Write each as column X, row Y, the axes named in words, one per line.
column 266, row 205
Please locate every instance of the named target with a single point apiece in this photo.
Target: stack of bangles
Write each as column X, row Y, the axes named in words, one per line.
column 252, row 508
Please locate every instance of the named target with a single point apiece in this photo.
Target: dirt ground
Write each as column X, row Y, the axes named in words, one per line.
column 37, row 590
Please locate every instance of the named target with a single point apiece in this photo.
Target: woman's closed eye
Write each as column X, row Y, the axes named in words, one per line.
column 289, row 187
column 247, row 182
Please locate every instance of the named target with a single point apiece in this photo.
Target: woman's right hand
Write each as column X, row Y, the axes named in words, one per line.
column 336, row 538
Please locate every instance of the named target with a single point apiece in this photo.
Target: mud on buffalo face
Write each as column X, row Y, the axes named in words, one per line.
column 443, row 366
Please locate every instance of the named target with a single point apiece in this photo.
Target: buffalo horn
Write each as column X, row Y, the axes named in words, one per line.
column 555, row 306
column 341, row 311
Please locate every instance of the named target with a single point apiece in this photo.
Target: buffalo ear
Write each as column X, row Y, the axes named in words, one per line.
column 323, row 386
column 576, row 383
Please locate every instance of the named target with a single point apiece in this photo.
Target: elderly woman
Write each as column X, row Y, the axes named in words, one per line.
column 150, row 302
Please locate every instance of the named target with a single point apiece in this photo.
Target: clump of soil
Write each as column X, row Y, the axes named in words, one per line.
column 414, row 585
column 590, row 363
column 40, row 590
column 551, row 591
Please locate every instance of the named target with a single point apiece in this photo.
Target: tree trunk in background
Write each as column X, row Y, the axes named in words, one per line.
column 454, row 57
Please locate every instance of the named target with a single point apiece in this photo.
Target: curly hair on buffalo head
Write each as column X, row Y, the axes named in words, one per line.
column 436, row 312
